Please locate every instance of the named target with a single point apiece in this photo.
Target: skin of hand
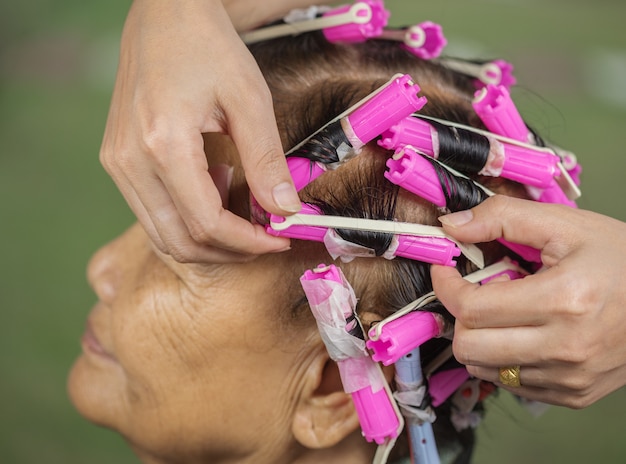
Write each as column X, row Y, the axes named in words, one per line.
column 184, row 71
column 564, row 325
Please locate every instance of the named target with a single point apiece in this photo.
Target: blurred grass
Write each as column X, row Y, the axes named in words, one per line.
column 57, row 63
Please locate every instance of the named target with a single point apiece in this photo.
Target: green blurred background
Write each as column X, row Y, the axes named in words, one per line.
column 57, row 65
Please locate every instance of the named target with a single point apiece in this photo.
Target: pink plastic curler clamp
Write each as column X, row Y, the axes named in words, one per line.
column 377, row 415
column 435, row 250
column 391, row 104
column 304, row 171
column 370, row 19
column 402, row 335
column 494, row 106
column 313, row 233
column 410, row 131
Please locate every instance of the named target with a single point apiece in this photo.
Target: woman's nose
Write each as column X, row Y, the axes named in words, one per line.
column 118, row 263
column 107, row 267
column 103, row 274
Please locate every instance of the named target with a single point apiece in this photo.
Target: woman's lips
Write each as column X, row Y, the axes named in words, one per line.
column 91, row 344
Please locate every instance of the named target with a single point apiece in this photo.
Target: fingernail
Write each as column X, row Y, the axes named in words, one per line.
column 286, row 197
column 457, row 219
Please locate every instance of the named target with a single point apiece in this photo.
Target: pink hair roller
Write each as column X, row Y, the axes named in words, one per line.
column 442, row 385
column 379, row 419
column 414, row 173
column 403, row 335
column 377, row 416
column 497, row 72
column 496, row 109
column 529, row 167
column 391, row 104
column 410, row 131
column 304, row 171
column 554, row 194
column 425, row 40
column 570, row 163
column 511, row 273
column 370, row 19
column 358, row 22
column 494, row 106
column 435, row 250
column 521, row 164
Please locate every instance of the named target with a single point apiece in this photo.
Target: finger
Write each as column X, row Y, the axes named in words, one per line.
column 530, row 376
column 507, row 303
column 516, row 220
column 173, row 231
column 542, row 395
column 189, row 251
column 177, row 242
column 199, row 203
column 252, row 125
column 222, row 176
column 498, row 347
column 138, row 209
column 546, row 385
column 528, row 389
column 202, row 255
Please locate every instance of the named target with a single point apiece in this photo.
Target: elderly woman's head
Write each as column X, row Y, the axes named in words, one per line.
column 224, row 362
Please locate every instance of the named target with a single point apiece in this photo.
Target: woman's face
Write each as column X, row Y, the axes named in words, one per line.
column 187, row 360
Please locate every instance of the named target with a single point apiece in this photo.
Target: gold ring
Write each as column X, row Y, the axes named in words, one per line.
column 509, row 376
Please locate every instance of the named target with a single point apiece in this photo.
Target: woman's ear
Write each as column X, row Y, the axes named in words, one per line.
column 325, row 414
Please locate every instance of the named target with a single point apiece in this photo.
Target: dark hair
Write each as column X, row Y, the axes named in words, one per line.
column 312, row 81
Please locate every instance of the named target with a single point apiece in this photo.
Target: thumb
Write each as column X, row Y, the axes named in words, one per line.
column 448, row 285
column 516, row 220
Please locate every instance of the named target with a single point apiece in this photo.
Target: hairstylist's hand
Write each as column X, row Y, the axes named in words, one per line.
column 565, row 326
column 184, row 71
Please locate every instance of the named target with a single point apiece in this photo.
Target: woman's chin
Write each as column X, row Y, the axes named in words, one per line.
column 90, row 395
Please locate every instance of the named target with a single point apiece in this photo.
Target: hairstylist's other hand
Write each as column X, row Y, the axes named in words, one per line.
column 184, row 71
column 565, row 326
